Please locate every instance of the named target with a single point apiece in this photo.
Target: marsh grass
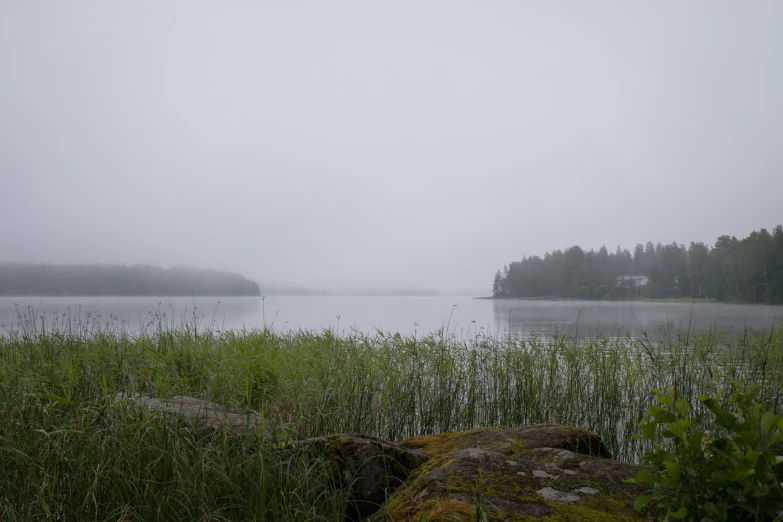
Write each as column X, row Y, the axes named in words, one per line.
column 67, row 452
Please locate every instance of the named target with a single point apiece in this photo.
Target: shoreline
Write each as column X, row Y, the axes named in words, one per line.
column 672, row 300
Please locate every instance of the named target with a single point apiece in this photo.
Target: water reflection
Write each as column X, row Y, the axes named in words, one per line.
column 578, row 318
column 461, row 316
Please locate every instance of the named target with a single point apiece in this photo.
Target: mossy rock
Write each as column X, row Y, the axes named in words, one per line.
column 543, row 472
column 369, row 468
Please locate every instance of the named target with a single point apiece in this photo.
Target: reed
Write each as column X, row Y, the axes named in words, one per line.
column 67, row 453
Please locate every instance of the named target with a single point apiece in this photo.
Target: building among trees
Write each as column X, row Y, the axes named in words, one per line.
column 632, row 280
column 748, row 270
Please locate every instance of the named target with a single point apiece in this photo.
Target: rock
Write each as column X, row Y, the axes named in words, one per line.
column 543, row 472
column 192, row 411
column 369, row 468
column 556, row 495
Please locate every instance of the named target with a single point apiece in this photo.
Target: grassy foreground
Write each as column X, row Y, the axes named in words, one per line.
column 67, row 453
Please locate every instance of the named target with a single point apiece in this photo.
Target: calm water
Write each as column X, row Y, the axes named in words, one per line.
column 462, row 315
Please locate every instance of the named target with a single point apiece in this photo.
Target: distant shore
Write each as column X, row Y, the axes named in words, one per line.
column 42, row 280
column 684, row 300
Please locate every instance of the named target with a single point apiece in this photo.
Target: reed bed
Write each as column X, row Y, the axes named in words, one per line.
column 67, row 453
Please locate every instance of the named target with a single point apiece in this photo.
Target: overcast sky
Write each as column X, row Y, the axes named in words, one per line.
column 383, row 145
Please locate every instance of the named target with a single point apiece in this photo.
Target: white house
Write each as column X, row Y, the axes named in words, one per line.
column 637, row 280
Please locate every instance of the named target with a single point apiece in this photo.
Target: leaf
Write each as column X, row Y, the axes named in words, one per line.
column 751, row 457
column 152, row 353
column 682, row 406
column 752, row 390
column 661, row 415
column 673, row 469
column 695, row 439
column 14, row 452
column 722, row 508
column 725, row 419
column 675, row 430
column 749, row 438
column 768, row 420
column 680, row 514
column 648, row 430
column 641, row 502
column 61, row 400
column 644, row 477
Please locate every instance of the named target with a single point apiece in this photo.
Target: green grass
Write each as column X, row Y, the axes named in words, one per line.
column 66, row 453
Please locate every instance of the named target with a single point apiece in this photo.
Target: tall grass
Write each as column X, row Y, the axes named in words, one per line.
column 68, row 453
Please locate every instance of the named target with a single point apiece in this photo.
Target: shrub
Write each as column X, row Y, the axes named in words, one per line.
column 729, row 474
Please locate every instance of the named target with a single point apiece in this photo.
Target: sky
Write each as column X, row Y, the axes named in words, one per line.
column 383, row 145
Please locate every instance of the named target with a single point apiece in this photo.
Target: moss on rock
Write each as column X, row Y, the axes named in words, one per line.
column 543, row 472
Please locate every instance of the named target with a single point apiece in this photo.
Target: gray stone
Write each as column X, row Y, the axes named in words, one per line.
column 543, row 474
column 192, row 411
column 557, row 496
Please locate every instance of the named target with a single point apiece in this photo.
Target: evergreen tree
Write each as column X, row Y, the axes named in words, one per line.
column 749, row 270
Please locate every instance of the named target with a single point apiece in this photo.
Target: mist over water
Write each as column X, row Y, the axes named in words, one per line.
column 462, row 316
column 361, row 146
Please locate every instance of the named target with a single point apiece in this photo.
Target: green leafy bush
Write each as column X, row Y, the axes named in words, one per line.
column 731, row 473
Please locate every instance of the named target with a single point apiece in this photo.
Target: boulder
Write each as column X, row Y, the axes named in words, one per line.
column 370, row 469
column 542, row 472
column 192, row 411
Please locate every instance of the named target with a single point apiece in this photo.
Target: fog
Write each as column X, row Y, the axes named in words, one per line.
column 415, row 145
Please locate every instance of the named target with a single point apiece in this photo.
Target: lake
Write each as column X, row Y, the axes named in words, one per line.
column 462, row 315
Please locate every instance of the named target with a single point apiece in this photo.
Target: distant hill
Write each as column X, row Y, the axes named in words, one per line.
column 120, row 280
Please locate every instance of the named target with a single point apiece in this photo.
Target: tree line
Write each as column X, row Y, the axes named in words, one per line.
column 120, row 280
column 748, row 269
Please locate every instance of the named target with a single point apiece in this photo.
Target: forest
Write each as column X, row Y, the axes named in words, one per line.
column 741, row 270
column 120, row 280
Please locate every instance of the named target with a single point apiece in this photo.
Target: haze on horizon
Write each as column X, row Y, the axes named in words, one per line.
column 411, row 145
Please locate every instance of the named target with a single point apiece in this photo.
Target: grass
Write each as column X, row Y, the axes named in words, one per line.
column 67, row 453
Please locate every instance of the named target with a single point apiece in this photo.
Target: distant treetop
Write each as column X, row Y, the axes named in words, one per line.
column 748, row 269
